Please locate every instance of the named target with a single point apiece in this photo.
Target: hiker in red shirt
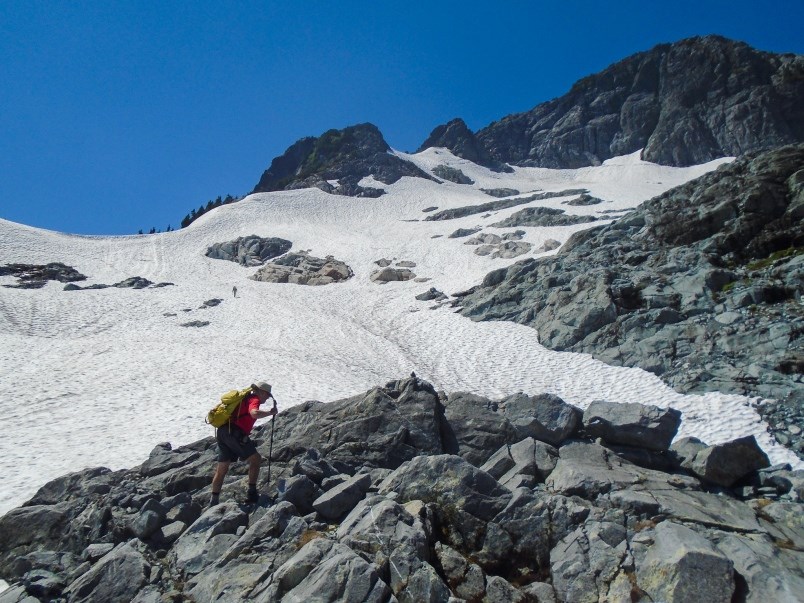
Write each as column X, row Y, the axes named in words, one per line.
column 234, row 443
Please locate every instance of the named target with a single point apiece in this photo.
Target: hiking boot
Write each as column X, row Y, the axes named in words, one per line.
column 253, row 497
column 213, row 501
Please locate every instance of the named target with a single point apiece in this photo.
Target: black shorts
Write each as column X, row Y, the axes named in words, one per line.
column 233, row 444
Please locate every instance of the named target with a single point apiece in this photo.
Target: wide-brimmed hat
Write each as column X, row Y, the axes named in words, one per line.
column 266, row 387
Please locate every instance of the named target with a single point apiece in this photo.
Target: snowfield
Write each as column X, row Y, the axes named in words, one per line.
column 99, row 377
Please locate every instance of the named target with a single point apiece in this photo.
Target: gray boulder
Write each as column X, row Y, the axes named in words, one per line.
column 682, row 566
column 475, row 428
column 249, row 251
column 638, row 425
column 244, row 568
column 528, row 458
column 208, row 538
column 466, row 497
column 395, row 541
column 545, row 417
column 116, row 578
column 300, row 491
column 303, row 269
column 338, row 501
column 323, row 567
column 587, row 562
column 725, row 464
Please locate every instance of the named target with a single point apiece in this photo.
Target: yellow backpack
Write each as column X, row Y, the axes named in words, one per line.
column 230, row 401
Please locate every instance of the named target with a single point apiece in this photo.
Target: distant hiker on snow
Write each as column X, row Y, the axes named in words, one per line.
column 234, row 443
column 234, row 290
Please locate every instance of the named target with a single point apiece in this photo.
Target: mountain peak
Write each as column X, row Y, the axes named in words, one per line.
column 456, row 136
column 346, row 155
column 683, row 103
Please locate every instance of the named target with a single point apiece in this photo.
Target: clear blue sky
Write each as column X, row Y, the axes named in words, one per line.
column 120, row 116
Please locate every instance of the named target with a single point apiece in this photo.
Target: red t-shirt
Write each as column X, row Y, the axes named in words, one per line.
column 244, row 419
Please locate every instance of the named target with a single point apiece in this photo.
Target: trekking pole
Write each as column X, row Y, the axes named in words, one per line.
column 271, row 445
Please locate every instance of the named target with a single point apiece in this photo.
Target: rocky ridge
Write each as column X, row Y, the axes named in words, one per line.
column 404, row 493
column 684, row 103
column 701, row 285
column 345, row 156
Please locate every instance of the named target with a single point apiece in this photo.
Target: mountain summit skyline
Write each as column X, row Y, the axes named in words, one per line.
column 170, row 110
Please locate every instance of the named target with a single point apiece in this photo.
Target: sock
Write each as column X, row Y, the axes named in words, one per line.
column 252, row 487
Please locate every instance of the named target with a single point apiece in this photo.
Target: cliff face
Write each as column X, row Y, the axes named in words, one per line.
column 684, row 103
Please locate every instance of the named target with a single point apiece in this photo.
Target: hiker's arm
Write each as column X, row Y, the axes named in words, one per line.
column 259, row 414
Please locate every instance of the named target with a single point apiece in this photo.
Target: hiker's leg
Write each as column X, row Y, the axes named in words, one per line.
column 254, row 467
column 220, row 473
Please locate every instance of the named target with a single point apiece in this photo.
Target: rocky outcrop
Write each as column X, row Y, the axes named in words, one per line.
column 452, row 174
column 133, row 282
column 406, row 494
column 249, row 251
column 542, row 216
column 461, row 142
column 31, row 276
column 700, row 285
column 469, row 210
column 303, row 269
column 684, row 103
column 346, row 156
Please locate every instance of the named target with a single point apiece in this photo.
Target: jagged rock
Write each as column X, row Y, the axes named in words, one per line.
column 346, row 155
column 465, row 579
column 526, row 458
column 386, row 534
column 640, row 425
column 303, row 269
column 685, row 449
column 145, row 524
column 116, row 578
column 299, row 490
column 484, row 239
column 337, row 502
column 466, row 497
column 682, row 565
column 134, row 282
column 461, row 142
column 548, row 245
column 463, row 232
column 163, row 458
column 31, row 276
column 243, row 571
column 475, row 429
column 452, row 174
column 469, row 210
column 542, row 216
column 585, row 563
column 249, row 251
column 324, row 566
column 208, row 538
column 385, row 427
column 583, row 200
column 387, row 275
column 684, row 104
column 724, row 464
column 513, row 236
column 498, row 590
column 432, row 294
column 500, row 192
column 545, row 417
column 770, row 573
